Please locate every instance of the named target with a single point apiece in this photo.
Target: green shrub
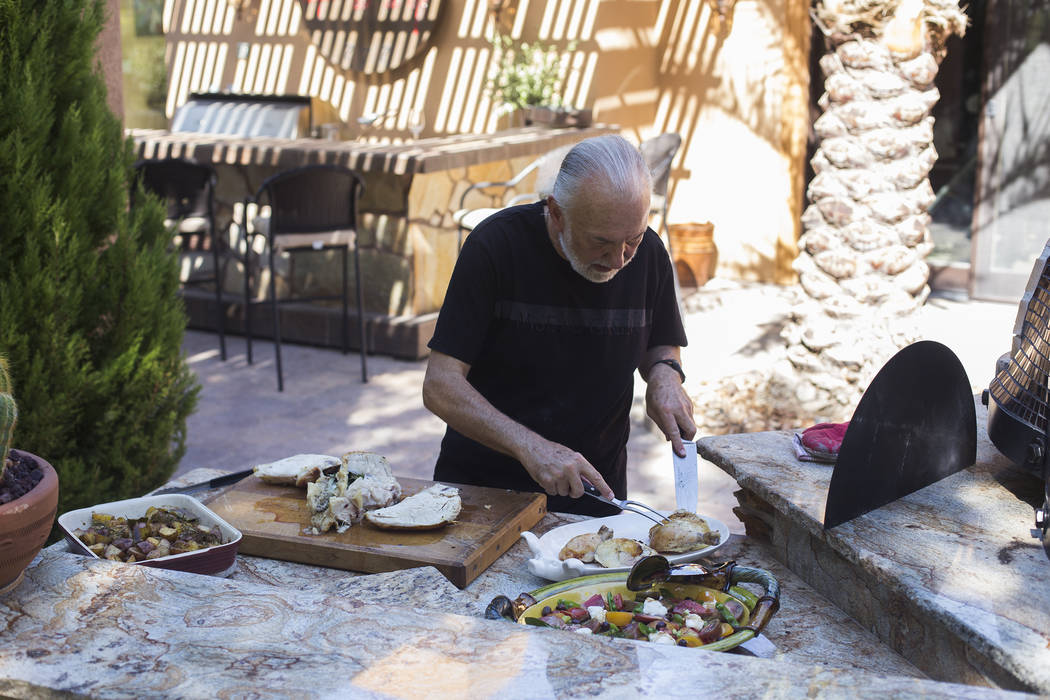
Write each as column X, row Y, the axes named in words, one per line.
column 89, row 316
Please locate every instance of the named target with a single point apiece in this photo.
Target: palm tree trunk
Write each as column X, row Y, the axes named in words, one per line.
column 861, row 265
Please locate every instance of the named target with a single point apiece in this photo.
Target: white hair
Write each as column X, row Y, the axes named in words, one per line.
column 608, row 162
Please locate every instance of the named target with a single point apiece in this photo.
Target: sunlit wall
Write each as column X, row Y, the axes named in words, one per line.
column 731, row 78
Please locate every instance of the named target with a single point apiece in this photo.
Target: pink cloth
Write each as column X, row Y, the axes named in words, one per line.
column 821, row 442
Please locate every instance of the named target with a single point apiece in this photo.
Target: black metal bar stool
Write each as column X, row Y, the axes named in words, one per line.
column 313, row 209
column 188, row 190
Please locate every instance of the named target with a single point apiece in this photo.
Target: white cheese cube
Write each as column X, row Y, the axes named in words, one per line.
column 653, row 607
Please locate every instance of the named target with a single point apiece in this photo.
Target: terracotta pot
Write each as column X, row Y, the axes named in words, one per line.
column 695, row 253
column 558, row 117
column 25, row 524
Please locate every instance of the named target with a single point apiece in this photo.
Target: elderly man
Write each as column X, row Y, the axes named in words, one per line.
column 550, row 309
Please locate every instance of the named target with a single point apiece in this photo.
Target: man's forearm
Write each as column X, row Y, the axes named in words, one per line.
column 466, row 411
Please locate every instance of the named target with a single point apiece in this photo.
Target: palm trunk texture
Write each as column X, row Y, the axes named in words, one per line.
column 861, row 265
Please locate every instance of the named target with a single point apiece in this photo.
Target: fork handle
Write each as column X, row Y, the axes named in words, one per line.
column 591, row 490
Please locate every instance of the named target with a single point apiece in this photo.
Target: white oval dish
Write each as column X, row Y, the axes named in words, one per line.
column 218, row 560
column 545, row 563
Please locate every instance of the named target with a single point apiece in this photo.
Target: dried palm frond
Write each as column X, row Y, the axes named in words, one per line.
column 868, row 17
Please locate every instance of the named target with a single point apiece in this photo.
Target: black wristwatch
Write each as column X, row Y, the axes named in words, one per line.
column 673, row 364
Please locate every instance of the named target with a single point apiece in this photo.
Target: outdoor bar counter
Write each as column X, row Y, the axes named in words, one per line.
column 948, row 576
column 408, row 238
column 82, row 627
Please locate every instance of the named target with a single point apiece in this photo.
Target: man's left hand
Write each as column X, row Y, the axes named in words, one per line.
column 669, row 406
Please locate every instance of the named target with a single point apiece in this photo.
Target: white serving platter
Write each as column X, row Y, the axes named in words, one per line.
column 545, row 563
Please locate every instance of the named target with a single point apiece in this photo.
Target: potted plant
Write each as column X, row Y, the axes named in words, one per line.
column 28, row 495
column 528, row 79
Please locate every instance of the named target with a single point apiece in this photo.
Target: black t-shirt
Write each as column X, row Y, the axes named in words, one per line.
column 550, row 349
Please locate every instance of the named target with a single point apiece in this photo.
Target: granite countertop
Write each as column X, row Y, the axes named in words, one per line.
column 107, row 629
column 958, row 550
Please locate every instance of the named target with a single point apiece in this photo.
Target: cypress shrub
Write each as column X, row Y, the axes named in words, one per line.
column 89, row 316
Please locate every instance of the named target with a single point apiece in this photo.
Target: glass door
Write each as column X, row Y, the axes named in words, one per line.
column 1011, row 222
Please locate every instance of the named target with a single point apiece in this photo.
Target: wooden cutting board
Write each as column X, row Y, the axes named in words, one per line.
column 272, row 519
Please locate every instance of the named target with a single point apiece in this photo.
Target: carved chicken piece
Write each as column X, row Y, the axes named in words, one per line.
column 298, row 470
column 582, row 546
column 620, row 551
column 682, row 532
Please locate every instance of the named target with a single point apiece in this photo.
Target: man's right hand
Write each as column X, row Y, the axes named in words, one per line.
column 561, row 471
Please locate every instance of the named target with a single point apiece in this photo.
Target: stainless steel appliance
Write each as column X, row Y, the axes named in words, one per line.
column 280, row 116
column 1018, row 398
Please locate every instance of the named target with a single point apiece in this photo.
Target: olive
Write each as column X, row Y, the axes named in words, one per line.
column 660, row 625
column 604, row 627
column 546, row 610
column 681, row 643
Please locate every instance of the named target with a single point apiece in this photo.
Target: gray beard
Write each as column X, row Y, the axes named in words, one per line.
column 578, row 265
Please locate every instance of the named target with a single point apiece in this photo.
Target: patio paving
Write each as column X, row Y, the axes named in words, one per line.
column 242, row 420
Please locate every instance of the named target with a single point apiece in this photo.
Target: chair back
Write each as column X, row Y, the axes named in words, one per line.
column 312, row 198
column 187, row 187
column 547, row 169
column 658, row 152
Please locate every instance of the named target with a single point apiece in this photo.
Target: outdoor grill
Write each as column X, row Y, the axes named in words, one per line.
column 277, row 116
column 1019, row 409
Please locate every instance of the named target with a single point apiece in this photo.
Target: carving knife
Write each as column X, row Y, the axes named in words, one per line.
column 686, row 478
column 215, row 483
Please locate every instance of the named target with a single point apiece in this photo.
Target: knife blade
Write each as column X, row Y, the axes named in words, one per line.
column 215, row 483
column 686, row 478
column 758, row 646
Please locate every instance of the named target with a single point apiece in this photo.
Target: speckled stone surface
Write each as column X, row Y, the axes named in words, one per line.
column 948, row 575
column 280, row 629
column 104, row 629
column 808, row 627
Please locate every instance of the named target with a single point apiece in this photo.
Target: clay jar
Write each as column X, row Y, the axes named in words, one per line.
column 695, row 253
column 25, row 524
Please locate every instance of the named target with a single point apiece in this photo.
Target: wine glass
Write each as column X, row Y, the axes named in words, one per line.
column 416, row 122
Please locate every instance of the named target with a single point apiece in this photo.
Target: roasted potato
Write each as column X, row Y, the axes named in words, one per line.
column 161, row 532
